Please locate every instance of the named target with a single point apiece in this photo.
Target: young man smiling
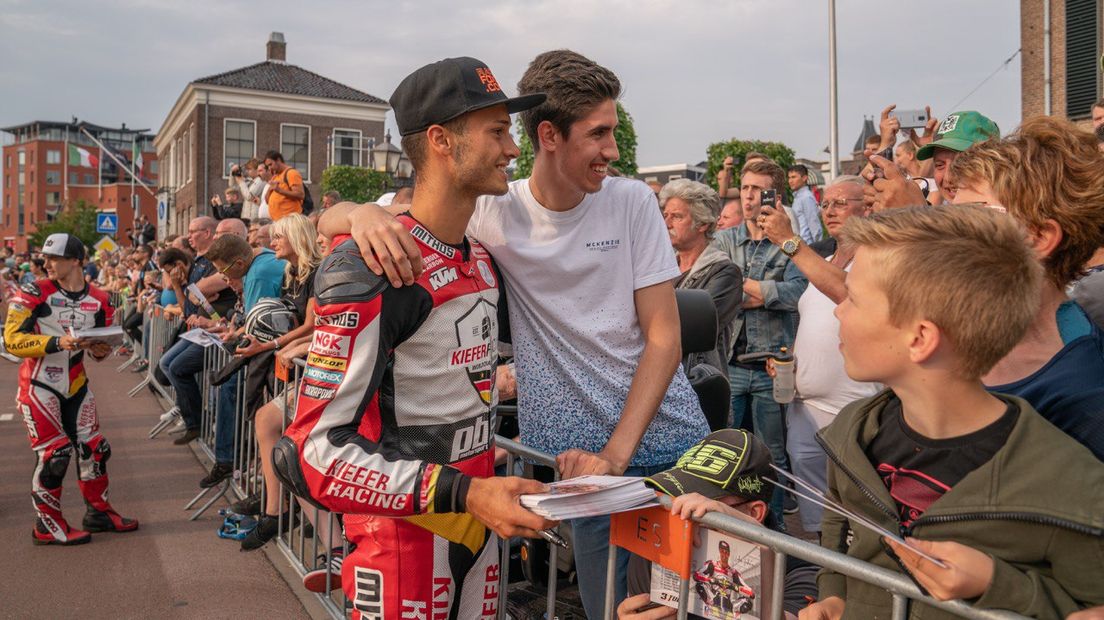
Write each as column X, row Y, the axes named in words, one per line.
column 588, row 273
column 393, row 424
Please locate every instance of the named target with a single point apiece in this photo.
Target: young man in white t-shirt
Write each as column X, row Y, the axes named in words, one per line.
column 588, row 271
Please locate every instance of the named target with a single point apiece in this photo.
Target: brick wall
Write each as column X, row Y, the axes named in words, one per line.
column 1033, row 84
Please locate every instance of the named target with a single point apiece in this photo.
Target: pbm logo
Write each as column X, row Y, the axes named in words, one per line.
column 441, row 277
column 471, row 439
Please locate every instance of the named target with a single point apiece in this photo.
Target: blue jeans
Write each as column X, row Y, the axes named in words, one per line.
column 590, row 543
column 182, row 364
column 226, row 420
column 753, row 389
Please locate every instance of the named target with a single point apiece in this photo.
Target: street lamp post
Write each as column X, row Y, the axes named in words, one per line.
column 833, row 95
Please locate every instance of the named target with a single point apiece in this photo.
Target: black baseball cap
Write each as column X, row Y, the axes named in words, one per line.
column 446, row 89
column 731, row 461
column 63, row 245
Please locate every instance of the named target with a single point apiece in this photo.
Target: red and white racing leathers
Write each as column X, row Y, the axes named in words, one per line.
column 57, row 406
column 394, row 418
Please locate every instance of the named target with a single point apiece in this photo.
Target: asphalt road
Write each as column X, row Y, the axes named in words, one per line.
column 169, row 568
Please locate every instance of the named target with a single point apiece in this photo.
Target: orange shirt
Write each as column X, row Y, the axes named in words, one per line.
column 280, row 205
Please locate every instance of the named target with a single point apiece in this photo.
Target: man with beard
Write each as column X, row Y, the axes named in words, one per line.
column 393, row 425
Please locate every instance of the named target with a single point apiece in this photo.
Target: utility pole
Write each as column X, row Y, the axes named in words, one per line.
column 833, row 95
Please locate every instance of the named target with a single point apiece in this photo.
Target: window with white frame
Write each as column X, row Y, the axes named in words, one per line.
column 53, row 156
column 239, row 143
column 346, row 147
column 295, row 147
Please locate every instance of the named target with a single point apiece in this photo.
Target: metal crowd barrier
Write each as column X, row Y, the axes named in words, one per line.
column 302, row 549
column 900, row 587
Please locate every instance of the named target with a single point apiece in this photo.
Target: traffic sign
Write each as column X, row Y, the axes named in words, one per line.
column 107, row 223
column 106, row 244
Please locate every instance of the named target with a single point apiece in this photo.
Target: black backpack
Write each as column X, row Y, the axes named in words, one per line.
column 308, row 202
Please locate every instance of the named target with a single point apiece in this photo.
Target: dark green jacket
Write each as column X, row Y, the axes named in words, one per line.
column 1037, row 508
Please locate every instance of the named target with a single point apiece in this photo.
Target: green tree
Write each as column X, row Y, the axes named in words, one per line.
column 354, row 183
column 78, row 219
column 523, row 165
column 624, row 135
column 738, row 149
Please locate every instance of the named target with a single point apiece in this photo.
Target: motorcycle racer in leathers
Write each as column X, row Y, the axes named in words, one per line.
column 57, row 406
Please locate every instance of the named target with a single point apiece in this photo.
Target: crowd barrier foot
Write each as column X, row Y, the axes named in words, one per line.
column 138, row 388
column 129, row 362
column 221, row 489
column 166, row 420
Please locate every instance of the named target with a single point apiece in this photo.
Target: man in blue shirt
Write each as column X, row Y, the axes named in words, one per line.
column 804, row 204
column 261, row 275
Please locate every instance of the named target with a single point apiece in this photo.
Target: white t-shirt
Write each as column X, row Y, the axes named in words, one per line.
column 262, row 211
column 570, row 279
column 820, row 378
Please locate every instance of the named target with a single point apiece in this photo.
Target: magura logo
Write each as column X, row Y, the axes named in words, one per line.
column 442, row 277
column 343, row 319
column 476, row 334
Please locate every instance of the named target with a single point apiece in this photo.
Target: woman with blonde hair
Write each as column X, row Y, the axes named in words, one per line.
column 294, row 240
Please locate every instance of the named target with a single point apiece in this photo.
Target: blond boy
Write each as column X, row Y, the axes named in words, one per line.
column 936, row 296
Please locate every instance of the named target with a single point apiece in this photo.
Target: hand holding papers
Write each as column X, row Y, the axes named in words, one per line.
column 589, row 496
column 112, row 335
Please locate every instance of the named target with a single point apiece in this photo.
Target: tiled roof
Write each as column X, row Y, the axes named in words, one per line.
column 278, row 77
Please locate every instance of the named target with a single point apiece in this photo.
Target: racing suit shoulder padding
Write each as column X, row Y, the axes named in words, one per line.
column 343, row 276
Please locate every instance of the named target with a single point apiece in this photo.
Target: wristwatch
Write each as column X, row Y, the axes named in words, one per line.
column 791, row 245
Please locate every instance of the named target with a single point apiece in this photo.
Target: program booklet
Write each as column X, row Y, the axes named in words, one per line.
column 730, row 579
column 589, row 496
column 112, row 335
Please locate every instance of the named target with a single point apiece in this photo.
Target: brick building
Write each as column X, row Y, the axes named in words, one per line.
column 231, row 117
column 1075, row 53
column 43, row 172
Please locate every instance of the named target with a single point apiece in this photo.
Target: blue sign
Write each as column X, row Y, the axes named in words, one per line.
column 162, row 210
column 107, row 223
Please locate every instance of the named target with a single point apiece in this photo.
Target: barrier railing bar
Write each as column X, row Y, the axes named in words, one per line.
column 889, row 580
column 778, row 585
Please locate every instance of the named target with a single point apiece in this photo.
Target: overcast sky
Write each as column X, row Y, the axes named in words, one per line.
column 694, row 72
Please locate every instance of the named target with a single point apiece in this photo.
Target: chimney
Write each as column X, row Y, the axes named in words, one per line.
column 276, row 48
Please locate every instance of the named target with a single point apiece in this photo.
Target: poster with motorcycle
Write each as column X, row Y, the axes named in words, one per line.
column 729, row 578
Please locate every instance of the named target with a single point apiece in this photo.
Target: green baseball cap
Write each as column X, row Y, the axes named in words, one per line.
column 959, row 131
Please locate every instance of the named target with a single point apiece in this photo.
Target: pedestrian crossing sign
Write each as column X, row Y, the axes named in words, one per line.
column 107, row 223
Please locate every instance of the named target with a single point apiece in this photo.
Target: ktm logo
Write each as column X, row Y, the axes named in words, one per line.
column 488, row 79
column 441, row 277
